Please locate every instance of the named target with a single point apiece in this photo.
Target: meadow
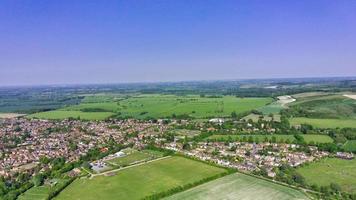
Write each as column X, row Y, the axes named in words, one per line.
column 331, row 170
column 35, row 193
column 64, row 114
column 324, row 123
column 279, row 138
column 350, row 146
column 158, row 106
column 141, row 181
column 239, row 186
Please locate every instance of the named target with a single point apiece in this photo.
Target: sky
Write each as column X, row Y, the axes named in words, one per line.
column 85, row 41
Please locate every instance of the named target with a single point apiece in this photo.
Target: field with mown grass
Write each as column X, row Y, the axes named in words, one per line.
column 331, row 170
column 324, row 123
column 271, row 138
column 350, row 146
column 239, row 186
column 141, row 181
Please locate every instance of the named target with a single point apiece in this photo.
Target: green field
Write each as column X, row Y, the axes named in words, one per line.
column 62, row 114
column 157, row 106
column 239, row 186
column 35, row 193
column 324, row 123
column 140, row 181
column 331, row 170
column 273, row 108
column 279, row 138
column 259, row 138
column 318, row 138
column 331, row 106
column 255, row 117
column 350, row 146
column 134, row 157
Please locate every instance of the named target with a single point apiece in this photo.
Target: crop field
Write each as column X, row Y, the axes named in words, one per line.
column 350, row 146
column 157, row 106
column 35, row 193
column 132, row 158
column 324, row 123
column 140, row 181
column 239, row 186
column 331, row 170
column 62, row 114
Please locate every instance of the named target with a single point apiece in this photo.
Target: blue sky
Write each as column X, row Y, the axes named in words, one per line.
column 60, row 41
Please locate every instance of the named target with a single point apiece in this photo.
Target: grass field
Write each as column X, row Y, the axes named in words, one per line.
column 318, row 138
column 62, row 114
column 350, row 146
column 239, row 186
column 35, row 193
column 279, row 138
column 140, row 181
column 331, row 170
column 157, row 106
column 324, row 123
column 332, row 106
column 259, row 138
column 134, row 157
column 255, row 117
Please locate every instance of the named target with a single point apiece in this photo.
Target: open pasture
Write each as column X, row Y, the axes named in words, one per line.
column 270, row 138
column 239, row 186
column 140, row 181
column 331, row 170
column 324, row 123
column 255, row 138
column 36, row 193
column 65, row 114
column 158, row 106
column 350, row 146
column 317, row 138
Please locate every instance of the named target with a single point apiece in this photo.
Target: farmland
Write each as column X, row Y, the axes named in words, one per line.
column 278, row 138
column 238, row 186
column 157, row 106
column 324, row 123
column 331, row 170
column 62, row 114
column 350, row 146
column 141, row 181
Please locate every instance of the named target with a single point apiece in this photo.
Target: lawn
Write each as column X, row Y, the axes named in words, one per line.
column 331, row 170
column 64, row 114
column 158, row 106
column 350, row 146
column 134, row 157
column 141, row 181
column 324, row 123
column 239, row 186
column 35, row 193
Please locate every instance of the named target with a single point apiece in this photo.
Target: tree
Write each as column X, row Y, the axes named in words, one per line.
column 233, row 114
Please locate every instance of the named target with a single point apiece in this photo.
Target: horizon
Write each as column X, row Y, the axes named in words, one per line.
column 71, row 43
column 351, row 78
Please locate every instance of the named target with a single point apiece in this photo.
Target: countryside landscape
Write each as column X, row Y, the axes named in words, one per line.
column 177, row 100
